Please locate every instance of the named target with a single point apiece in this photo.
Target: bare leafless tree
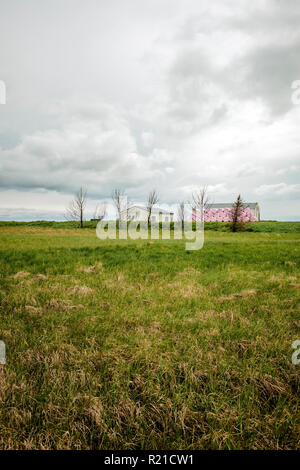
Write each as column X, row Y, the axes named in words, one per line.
column 100, row 211
column 152, row 200
column 75, row 211
column 117, row 196
column 121, row 203
column 181, row 213
column 200, row 202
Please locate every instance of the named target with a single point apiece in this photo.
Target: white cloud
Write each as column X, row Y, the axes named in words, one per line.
column 93, row 147
column 278, row 189
column 169, row 169
column 147, row 139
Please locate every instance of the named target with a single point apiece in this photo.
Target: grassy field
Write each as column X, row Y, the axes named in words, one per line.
column 264, row 226
column 144, row 345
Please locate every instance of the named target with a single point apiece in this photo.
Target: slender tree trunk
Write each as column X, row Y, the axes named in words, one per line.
column 152, row 200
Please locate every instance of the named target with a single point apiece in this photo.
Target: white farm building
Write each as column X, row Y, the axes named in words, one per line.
column 140, row 214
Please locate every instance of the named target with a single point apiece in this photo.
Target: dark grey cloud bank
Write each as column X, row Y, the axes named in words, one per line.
column 140, row 94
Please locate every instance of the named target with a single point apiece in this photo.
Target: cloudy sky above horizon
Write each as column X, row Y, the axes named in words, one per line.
column 139, row 94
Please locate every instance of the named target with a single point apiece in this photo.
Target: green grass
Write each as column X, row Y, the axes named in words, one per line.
column 264, row 226
column 144, row 345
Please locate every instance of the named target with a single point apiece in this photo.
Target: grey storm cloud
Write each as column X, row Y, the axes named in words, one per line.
column 93, row 147
column 264, row 66
column 268, row 72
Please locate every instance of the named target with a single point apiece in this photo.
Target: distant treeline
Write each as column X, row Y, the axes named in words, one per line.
column 263, row 226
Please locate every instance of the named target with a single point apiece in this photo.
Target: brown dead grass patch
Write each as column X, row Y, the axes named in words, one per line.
column 269, row 388
column 81, row 290
column 57, row 304
column 110, row 284
column 121, row 284
column 41, row 277
column 282, row 277
column 276, row 278
column 96, row 414
column 228, row 314
column 212, row 332
column 21, row 275
column 92, row 269
column 188, row 272
column 185, row 291
column 245, row 293
column 32, row 309
column 120, row 277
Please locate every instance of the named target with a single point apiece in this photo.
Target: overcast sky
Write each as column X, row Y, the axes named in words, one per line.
column 142, row 94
